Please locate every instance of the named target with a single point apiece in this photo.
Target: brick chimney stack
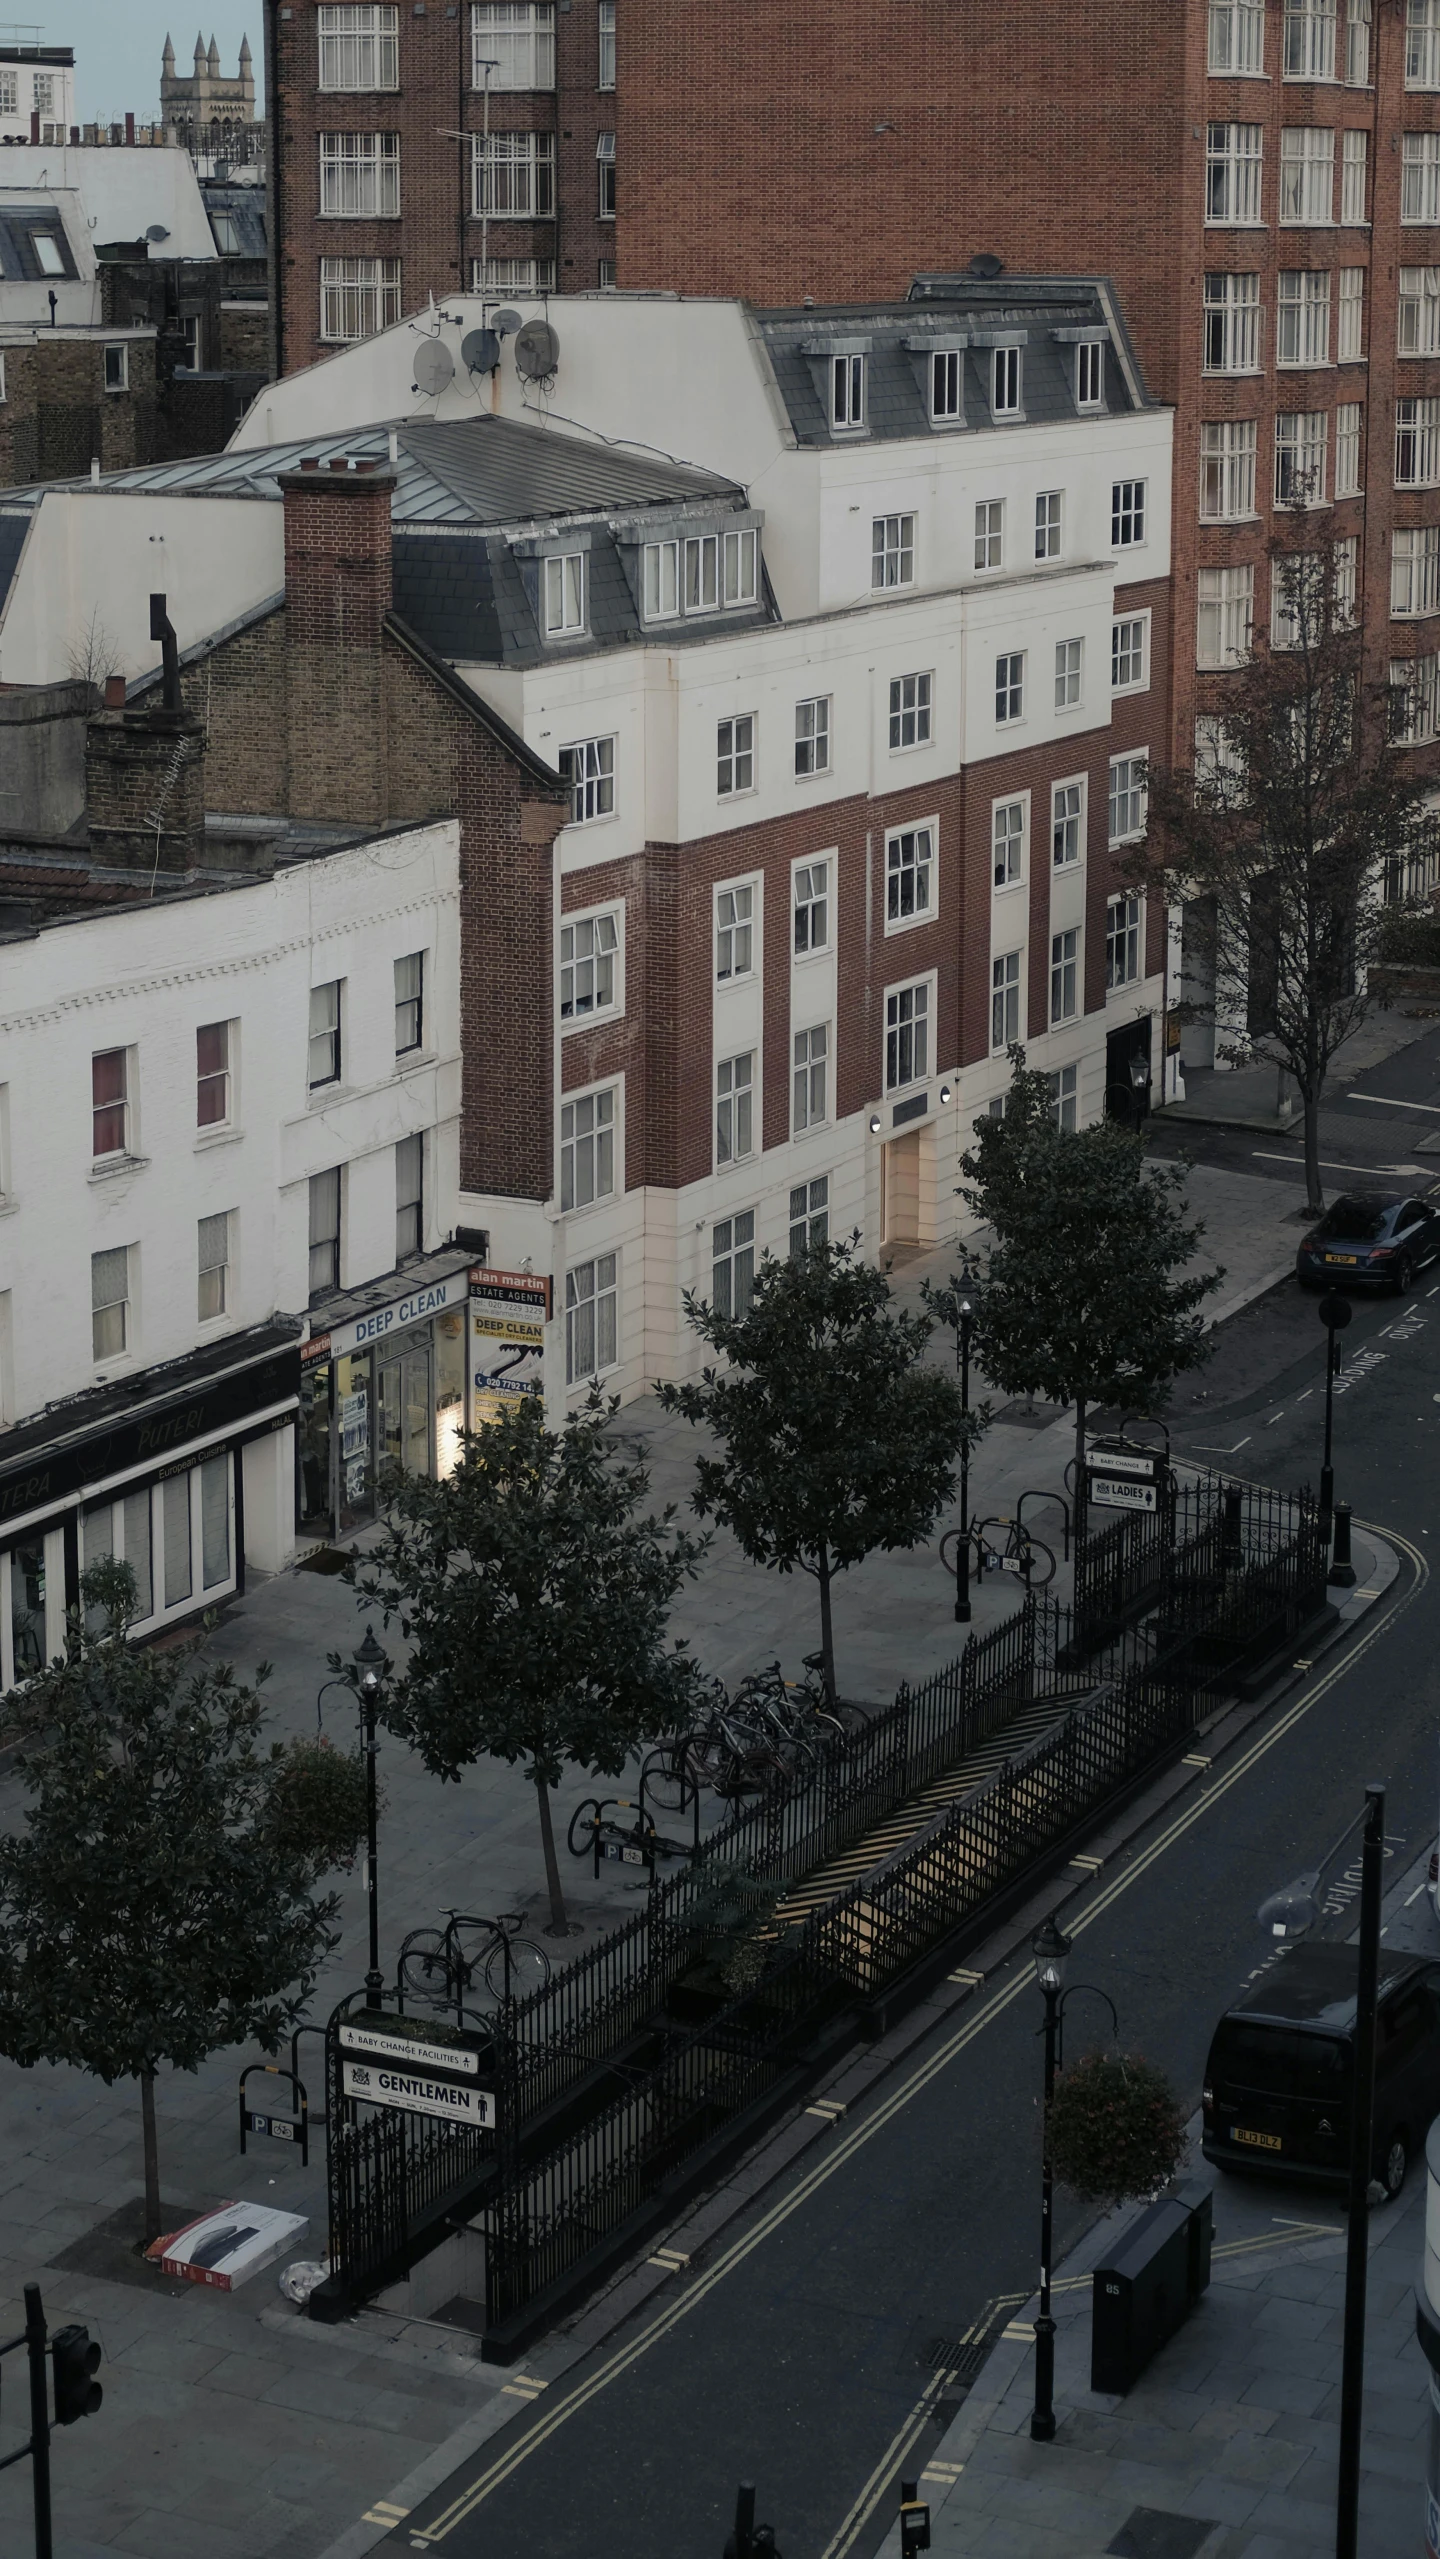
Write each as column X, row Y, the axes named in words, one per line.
column 145, row 787
column 337, row 594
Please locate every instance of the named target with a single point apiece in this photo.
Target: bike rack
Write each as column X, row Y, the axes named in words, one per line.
column 675, row 1850
column 277, row 2127
column 321, row 2120
column 1037, row 1494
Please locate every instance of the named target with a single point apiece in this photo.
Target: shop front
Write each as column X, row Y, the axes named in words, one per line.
column 153, row 1473
column 382, row 1387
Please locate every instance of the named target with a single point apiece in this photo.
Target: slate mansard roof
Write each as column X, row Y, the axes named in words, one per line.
column 1046, row 316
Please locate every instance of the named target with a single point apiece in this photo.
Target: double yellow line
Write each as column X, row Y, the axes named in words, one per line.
column 839, row 2154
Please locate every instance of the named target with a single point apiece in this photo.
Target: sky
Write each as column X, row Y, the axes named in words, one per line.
column 118, row 44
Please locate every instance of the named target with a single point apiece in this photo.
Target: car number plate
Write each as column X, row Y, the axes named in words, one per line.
column 1349, row 1259
column 1257, row 2140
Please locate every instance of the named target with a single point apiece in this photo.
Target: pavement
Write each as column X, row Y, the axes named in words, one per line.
column 231, row 2424
column 1226, row 2447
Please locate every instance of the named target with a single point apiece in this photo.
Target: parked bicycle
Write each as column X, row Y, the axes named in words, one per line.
column 440, row 1971
column 771, row 1732
column 1001, row 1546
column 594, row 1834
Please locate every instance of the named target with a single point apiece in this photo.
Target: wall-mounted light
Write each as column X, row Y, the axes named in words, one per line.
column 874, row 1123
column 945, row 1094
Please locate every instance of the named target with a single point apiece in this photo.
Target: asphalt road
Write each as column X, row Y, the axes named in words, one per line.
column 797, row 2350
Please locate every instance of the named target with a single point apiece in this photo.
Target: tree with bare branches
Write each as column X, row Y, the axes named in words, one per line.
column 1296, row 834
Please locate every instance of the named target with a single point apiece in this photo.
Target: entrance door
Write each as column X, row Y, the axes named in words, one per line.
column 902, row 1189
column 1127, row 1072
column 405, row 1405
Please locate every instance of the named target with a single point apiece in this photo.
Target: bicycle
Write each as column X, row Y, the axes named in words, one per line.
column 435, row 1970
column 1020, row 1553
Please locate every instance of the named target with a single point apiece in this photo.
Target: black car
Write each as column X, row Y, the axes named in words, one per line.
column 1376, row 1240
column 1276, row 2098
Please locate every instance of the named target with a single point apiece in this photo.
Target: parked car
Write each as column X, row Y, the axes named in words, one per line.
column 1276, row 2099
column 1374, row 1240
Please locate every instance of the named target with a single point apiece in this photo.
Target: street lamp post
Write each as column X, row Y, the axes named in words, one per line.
column 1362, row 2135
column 372, row 1662
column 1335, row 1312
column 1051, row 1947
column 964, row 1324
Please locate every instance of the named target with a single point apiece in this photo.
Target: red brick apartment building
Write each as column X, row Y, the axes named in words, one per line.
column 385, row 190
column 1261, row 178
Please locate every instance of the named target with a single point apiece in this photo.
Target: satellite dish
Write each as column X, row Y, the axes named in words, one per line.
column 505, row 323
column 537, row 351
column 434, row 365
column 986, row 264
column 480, row 351
column 157, row 231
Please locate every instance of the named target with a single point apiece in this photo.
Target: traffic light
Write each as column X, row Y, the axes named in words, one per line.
column 76, row 2361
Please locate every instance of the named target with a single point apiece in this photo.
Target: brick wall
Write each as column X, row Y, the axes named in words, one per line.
column 437, row 235
column 57, row 416
column 145, row 788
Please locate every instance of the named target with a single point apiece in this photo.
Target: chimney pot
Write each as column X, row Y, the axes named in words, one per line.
column 114, row 692
column 311, row 462
column 339, row 462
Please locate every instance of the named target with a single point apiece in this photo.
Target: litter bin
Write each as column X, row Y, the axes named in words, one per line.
column 1141, row 2297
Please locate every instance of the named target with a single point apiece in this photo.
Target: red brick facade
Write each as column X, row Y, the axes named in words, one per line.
column 436, row 235
column 1064, row 138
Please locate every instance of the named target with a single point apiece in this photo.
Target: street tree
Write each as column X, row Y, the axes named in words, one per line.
column 1087, row 1294
column 159, row 1902
column 1296, row 836
column 533, row 1597
column 834, row 1437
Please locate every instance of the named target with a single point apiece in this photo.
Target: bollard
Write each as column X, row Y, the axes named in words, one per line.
column 1342, row 1571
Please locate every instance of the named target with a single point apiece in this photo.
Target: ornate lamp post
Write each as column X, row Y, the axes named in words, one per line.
column 372, row 1669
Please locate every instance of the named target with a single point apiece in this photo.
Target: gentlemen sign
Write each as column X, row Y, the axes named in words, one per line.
column 417, row 2092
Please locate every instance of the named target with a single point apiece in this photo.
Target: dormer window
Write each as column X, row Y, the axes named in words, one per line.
column 1005, row 382
column 700, row 573
column 947, row 377
column 47, row 250
column 847, row 393
column 1090, row 376
column 564, row 587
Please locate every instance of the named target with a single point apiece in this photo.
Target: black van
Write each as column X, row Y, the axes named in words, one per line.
column 1277, row 2083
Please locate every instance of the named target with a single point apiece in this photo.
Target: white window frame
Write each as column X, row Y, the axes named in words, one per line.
column 223, row 1075
column 1418, row 320
column 512, row 275
column 1010, row 688
column 1308, row 40
column 517, row 37
column 1007, row 999
column 810, row 1060
column 325, row 1036
column 599, row 1140
column 1133, row 789
column 911, row 713
column 124, row 1349
column 593, row 1284
column 1224, row 614
column 1069, row 674
column 332, row 1243
column 1357, row 35
column 1417, row 444
column 117, row 367
column 1307, row 177
column 1090, row 374
column 1236, row 38
column 736, row 756
column 1007, row 382
column 1420, row 178
column 1009, row 842
column 591, row 777
column 1354, row 170
column 211, row 1269
column 1348, row 417
column 1235, row 177
column 1228, row 457
column 358, row 298
column 892, row 550
column 1065, row 1096
column 1422, row 44
column 1350, row 316
column 912, row 869
column 812, row 736
column 359, row 47
column 732, row 1250
column 1418, row 681
column 736, row 928
column 809, row 1214
column 513, row 178
column 605, row 78
column 605, row 176
column 1067, row 992
column 989, row 533
column 613, row 915
column 947, row 386
column 1049, row 523
column 1232, row 321
column 1414, row 570
column 736, row 1107
column 1290, row 575
column 1130, row 648
column 1302, row 318
column 565, row 594
column 1347, row 571
column 821, row 894
column 1124, row 939
column 848, row 393
column 1068, row 822
column 359, row 177
column 1301, row 440
column 919, row 1022
column 1129, row 510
